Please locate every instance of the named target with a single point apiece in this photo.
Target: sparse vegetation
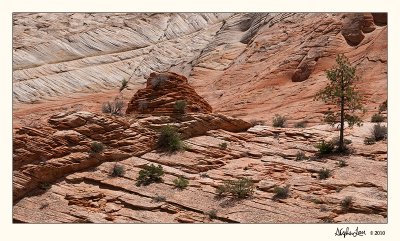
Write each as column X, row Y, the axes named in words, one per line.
column 341, row 91
column 254, row 122
column 325, row 148
column 383, row 107
column 159, row 198
column 281, row 192
column 279, row 121
column 204, row 175
column 44, row 185
column 317, row 201
column 157, row 81
column 223, row 145
column 342, row 163
column 150, row 174
column 324, row 173
column 96, row 147
column 300, row 124
column 180, row 106
column 369, row 140
column 124, row 85
column 181, row 182
column 170, row 139
column 376, row 118
column 346, row 203
column 143, row 105
column 114, row 107
column 212, row 214
column 300, row 156
column 241, row 188
column 117, row 171
column 379, row 132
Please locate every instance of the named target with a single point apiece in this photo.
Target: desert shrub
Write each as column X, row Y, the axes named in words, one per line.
column 223, row 145
column 300, row 124
column 204, row 175
column 44, row 185
column 300, row 156
column 113, row 108
column 257, row 122
column 180, row 106
column 279, row 121
column 212, row 214
column 170, row 139
column 369, row 140
column 159, row 198
column 376, row 118
column 117, row 171
column 342, row 163
column 150, row 174
column 346, row 203
column 317, row 201
column 325, row 148
column 124, row 84
column 157, row 81
column 143, row 105
column 241, row 188
column 379, row 132
column 281, row 192
column 383, row 106
column 324, row 173
column 181, row 182
column 96, row 147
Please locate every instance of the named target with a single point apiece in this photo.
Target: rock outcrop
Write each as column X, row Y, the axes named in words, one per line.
column 42, row 155
column 161, row 94
column 78, row 188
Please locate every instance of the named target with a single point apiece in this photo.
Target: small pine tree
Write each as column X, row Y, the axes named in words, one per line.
column 341, row 92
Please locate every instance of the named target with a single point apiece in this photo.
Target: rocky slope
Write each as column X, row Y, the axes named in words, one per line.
column 251, row 66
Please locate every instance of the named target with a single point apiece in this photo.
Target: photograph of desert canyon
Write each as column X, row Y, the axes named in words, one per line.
column 200, row 117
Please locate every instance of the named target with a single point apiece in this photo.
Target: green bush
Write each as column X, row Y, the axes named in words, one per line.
column 300, row 124
column 377, row 118
column 124, row 84
column 44, row 185
column 369, row 140
column 383, row 106
column 281, row 192
column 150, row 174
column 325, row 148
column 180, row 106
column 212, row 214
column 379, row 132
column 279, row 121
column 241, row 188
column 159, row 198
column 342, row 163
column 117, row 171
column 346, row 203
column 324, row 173
column 181, row 182
column 254, row 122
column 170, row 139
column 223, row 145
column 300, row 156
column 96, row 147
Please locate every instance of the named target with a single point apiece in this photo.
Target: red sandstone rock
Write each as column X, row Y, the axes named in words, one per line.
column 161, row 93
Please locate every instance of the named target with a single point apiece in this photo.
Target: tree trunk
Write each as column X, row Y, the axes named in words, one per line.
column 341, row 136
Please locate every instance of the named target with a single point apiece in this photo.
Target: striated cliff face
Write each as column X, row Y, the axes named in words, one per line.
column 233, row 70
column 237, row 62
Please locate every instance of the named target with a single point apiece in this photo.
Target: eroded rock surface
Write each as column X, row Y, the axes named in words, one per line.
column 161, row 94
